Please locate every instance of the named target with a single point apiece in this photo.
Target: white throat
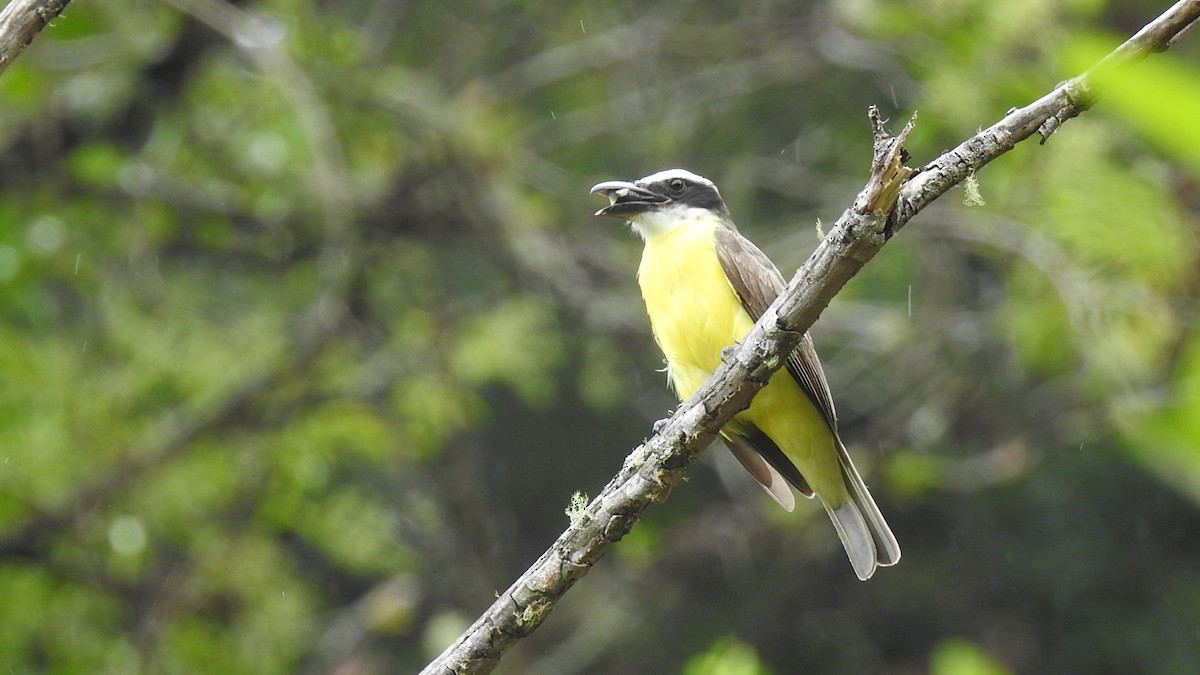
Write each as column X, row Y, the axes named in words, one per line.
column 652, row 224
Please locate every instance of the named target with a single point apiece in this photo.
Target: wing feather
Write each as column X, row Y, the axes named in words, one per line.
column 763, row 471
column 757, row 282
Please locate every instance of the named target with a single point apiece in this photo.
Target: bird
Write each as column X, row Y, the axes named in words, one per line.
column 704, row 286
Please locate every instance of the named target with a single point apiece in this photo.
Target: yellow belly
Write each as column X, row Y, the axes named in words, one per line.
column 695, row 314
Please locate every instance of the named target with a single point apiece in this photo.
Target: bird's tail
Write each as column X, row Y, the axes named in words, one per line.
column 868, row 540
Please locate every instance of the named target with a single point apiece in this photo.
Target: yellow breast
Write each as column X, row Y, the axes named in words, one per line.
column 695, row 314
column 693, row 310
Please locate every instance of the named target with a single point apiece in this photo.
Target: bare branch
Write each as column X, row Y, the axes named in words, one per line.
column 21, row 21
column 890, row 199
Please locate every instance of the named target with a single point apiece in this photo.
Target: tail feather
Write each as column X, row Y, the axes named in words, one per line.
column 887, row 549
column 860, row 526
column 856, row 538
column 765, row 474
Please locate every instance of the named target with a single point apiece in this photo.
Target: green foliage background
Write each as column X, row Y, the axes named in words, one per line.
column 307, row 336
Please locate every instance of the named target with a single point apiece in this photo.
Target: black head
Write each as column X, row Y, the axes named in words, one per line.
column 666, row 190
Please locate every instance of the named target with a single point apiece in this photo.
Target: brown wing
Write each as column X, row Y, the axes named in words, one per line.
column 757, row 283
column 770, row 478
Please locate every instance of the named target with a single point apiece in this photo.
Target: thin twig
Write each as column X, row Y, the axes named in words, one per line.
column 650, row 472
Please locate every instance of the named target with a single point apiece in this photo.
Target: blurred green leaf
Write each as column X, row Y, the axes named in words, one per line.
column 1157, row 96
column 726, row 656
column 958, row 656
column 515, row 343
column 1164, row 431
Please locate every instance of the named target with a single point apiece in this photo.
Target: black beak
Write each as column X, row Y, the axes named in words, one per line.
column 627, row 198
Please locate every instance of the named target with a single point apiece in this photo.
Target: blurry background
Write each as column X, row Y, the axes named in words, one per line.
column 308, row 336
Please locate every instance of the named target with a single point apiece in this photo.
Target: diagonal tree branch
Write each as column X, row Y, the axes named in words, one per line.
column 21, row 21
column 891, row 198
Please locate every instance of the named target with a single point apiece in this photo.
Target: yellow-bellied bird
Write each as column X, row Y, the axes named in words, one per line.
column 705, row 285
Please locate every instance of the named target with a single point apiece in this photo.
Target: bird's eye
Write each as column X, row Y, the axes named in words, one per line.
column 676, row 185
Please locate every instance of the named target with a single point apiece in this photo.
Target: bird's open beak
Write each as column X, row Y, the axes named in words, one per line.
column 625, row 198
